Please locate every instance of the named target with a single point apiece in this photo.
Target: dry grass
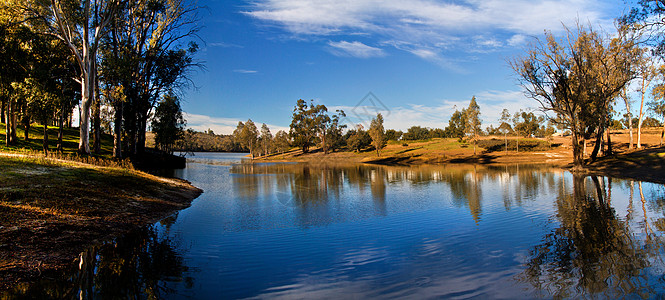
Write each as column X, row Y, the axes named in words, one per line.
column 52, row 209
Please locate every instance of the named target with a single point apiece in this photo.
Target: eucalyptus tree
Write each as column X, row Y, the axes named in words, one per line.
column 577, row 78
column 505, row 127
column 281, row 141
column 472, row 126
column 266, row 139
column 377, row 133
column 305, row 124
column 147, row 52
column 334, row 136
column 80, row 24
column 168, row 123
column 248, row 136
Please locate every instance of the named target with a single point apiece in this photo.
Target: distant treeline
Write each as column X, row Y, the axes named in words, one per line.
column 208, row 141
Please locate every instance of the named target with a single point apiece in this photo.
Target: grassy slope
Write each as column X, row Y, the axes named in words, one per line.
column 435, row 151
column 50, row 210
column 36, row 134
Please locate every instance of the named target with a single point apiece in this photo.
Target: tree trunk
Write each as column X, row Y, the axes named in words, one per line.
column 96, row 128
column 598, row 145
column 505, row 140
column 8, row 124
column 517, row 141
column 639, row 121
column 26, row 127
column 662, row 133
column 45, row 144
column 61, row 121
column 84, row 121
column 578, row 155
column 630, row 130
column 2, row 112
column 609, row 143
column 14, row 121
column 117, row 131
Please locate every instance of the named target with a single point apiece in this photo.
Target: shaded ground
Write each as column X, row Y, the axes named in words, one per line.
column 52, row 210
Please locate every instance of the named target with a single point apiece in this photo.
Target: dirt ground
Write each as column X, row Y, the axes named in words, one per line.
column 51, row 210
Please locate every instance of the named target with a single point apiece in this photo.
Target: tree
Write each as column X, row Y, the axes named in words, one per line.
column 168, row 123
column 658, row 106
column 504, row 127
column 629, row 115
column 80, row 25
column 281, row 141
column 415, row 133
column 266, row 139
column 577, row 78
column 647, row 72
column 377, row 133
column 472, row 125
column 249, row 136
column 456, row 125
column 335, row 139
column 147, row 53
column 358, row 139
column 393, row 135
column 304, row 126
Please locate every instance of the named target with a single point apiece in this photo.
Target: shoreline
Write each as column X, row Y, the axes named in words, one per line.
column 647, row 164
column 52, row 210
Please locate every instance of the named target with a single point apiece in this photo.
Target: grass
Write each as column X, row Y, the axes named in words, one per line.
column 70, row 140
column 51, row 209
column 34, row 146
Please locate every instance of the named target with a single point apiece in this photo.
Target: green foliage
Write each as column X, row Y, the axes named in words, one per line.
column 247, row 135
column 415, row 133
column 168, row 123
column 377, row 133
column 194, row 141
column 281, row 141
column 456, row 125
column 358, row 139
column 393, row 135
column 527, row 124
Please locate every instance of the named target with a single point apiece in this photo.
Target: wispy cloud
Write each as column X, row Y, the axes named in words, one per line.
column 436, row 116
column 224, row 45
column 355, row 49
column 243, row 71
column 426, row 25
column 221, row 125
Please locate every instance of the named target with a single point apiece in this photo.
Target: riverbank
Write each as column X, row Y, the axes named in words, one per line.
column 646, row 164
column 51, row 210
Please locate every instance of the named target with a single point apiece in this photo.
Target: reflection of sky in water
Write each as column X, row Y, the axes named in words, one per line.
column 297, row 231
column 288, row 231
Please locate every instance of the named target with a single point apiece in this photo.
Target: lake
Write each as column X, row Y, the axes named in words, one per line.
column 291, row 230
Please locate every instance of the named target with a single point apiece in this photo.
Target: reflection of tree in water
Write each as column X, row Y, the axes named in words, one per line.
column 138, row 265
column 593, row 252
column 311, row 186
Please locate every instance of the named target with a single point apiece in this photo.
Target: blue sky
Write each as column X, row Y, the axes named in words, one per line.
column 421, row 59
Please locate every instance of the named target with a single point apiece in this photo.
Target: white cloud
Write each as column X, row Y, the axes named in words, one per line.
column 225, row 45
column 221, row 125
column 516, row 40
column 436, row 116
column 355, row 49
column 427, row 25
column 243, row 71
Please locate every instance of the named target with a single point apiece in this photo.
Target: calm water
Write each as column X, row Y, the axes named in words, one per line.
column 321, row 231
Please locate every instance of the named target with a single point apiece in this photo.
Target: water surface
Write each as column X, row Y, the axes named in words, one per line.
column 285, row 230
